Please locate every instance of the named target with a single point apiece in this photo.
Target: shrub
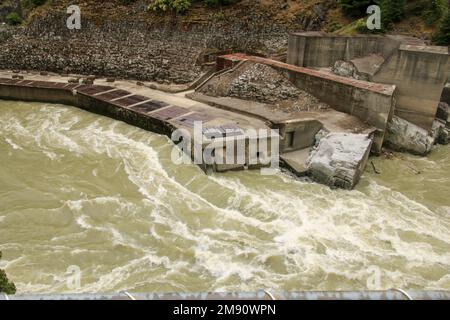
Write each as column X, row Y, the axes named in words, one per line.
column 391, row 11
column 434, row 11
column 179, row 6
column 442, row 36
column 13, row 19
column 6, row 286
column 355, row 8
column 38, row 2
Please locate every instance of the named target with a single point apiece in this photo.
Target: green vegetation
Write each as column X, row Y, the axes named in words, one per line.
column 181, row 6
column 355, row 8
column 38, row 2
column 391, row 11
column 442, row 36
column 434, row 11
column 13, row 19
column 5, row 285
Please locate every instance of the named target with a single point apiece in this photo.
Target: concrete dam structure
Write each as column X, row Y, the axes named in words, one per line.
column 335, row 101
column 418, row 71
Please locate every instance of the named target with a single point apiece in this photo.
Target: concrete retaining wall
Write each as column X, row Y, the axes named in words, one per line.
column 314, row 49
column 64, row 95
column 371, row 102
column 420, row 74
column 418, row 71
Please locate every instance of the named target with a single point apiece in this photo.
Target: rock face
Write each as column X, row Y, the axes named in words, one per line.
column 130, row 47
column 339, row 159
column 403, row 135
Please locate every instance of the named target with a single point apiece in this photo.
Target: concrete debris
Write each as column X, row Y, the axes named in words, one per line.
column 403, row 135
column 339, row 159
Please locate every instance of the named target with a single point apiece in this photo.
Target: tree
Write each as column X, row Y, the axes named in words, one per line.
column 13, row 19
column 355, row 8
column 442, row 36
column 391, row 11
column 6, row 286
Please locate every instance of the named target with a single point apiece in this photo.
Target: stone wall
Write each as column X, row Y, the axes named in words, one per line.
column 129, row 48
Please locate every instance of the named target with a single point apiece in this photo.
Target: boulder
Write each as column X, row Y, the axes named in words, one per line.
column 403, row 135
column 345, row 69
column 339, row 159
column 441, row 132
column 443, row 112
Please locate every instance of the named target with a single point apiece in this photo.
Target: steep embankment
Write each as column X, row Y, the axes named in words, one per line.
column 128, row 41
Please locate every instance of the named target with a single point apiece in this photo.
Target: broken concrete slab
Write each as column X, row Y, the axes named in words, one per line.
column 339, row 159
column 403, row 135
column 296, row 161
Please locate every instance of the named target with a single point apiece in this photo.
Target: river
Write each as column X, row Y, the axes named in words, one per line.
column 79, row 191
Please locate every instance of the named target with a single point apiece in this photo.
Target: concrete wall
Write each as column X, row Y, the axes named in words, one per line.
column 418, row 71
column 372, row 103
column 420, row 74
column 312, row 49
column 372, row 107
column 82, row 101
column 33, row 94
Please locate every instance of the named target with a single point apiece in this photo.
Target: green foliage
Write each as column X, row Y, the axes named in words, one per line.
column 178, row 6
column 181, row 6
column 434, row 11
column 442, row 36
column 6, row 286
column 391, row 11
column 355, row 8
column 38, row 2
column 13, row 19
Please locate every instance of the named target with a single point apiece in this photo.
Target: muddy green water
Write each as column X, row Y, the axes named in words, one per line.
column 78, row 189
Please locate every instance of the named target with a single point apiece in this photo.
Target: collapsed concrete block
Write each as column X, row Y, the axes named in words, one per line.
column 403, row 135
column 339, row 159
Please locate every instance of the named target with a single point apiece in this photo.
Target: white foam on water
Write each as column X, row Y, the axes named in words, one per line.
column 274, row 232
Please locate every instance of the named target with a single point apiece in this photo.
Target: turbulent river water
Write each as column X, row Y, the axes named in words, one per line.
column 78, row 189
